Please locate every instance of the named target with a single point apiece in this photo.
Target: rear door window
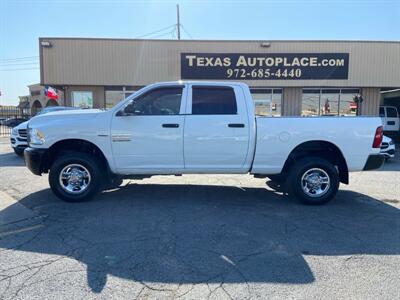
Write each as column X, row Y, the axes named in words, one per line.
column 213, row 101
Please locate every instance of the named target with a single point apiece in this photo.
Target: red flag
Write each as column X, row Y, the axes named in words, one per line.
column 50, row 93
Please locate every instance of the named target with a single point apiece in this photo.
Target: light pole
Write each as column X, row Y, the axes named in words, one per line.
column 178, row 24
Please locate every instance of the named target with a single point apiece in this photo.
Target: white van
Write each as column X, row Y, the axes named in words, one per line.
column 390, row 118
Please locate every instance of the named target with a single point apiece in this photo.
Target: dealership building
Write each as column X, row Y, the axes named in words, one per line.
column 287, row 78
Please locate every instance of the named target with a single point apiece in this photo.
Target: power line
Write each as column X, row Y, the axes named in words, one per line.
column 19, row 58
column 154, row 32
column 21, row 69
column 18, row 64
column 186, row 32
column 173, row 33
column 164, row 34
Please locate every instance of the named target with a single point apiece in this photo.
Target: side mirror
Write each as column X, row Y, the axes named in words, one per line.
column 129, row 110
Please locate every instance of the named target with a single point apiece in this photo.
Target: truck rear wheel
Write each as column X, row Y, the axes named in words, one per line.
column 75, row 177
column 314, row 180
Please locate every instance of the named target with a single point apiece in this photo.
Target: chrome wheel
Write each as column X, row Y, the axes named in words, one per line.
column 74, row 178
column 315, row 182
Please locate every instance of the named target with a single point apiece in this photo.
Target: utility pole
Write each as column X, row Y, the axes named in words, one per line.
column 178, row 24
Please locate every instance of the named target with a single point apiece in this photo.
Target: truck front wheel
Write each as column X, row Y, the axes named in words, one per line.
column 75, row 177
column 314, row 180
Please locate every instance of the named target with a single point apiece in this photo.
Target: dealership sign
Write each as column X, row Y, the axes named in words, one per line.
column 264, row 66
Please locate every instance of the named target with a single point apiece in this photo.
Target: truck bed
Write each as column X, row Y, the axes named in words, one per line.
column 278, row 137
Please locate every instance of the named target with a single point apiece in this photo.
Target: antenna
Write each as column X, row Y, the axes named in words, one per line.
column 178, row 24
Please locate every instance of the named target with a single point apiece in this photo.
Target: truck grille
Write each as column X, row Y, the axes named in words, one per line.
column 23, row 133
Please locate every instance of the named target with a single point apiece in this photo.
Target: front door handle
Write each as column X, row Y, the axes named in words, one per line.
column 236, row 125
column 170, row 125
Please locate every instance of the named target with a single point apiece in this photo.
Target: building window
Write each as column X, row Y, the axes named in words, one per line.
column 347, row 106
column 329, row 102
column 114, row 95
column 267, row 102
column 310, row 102
column 82, row 99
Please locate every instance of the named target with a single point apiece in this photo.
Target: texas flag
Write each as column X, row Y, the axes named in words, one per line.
column 50, row 92
column 353, row 105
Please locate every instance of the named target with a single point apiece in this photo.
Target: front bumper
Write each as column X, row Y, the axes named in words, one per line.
column 34, row 158
column 18, row 142
column 374, row 161
column 389, row 153
column 16, row 146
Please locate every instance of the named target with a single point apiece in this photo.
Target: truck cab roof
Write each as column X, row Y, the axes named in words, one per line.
column 209, row 83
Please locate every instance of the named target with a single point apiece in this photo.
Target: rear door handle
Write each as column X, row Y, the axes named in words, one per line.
column 236, row 125
column 170, row 125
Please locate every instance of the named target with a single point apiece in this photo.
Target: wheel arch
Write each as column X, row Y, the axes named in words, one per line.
column 323, row 149
column 72, row 144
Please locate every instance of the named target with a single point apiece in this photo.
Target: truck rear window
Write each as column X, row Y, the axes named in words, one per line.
column 391, row 112
column 213, row 101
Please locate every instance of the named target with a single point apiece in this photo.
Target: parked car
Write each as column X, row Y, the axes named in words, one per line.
column 14, row 121
column 18, row 137
column 198, row 127
column 390, row 118
column 388, row 148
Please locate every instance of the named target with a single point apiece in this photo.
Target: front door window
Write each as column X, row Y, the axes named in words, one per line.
column 163, row 101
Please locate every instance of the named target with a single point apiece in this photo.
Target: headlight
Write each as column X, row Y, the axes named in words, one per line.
column 391, row 142
column 14, row 131
column 36, row 137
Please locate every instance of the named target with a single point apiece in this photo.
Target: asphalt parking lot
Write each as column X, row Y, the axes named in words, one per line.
column 198, row 237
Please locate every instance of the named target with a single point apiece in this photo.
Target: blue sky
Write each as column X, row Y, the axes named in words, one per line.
column 23, row 21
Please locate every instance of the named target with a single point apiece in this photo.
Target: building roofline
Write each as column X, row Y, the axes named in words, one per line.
column 34, row 84
column 220, row 41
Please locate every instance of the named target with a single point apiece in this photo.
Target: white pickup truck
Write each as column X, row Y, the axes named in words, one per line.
column 198, row 127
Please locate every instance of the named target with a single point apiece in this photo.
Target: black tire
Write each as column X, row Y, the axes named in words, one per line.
column 19, row 151
column 313, row 165
column 92, row 165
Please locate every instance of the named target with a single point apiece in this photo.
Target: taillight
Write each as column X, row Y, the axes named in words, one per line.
column 378, row 137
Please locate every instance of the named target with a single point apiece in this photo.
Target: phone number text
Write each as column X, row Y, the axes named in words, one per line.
column 263, row 73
